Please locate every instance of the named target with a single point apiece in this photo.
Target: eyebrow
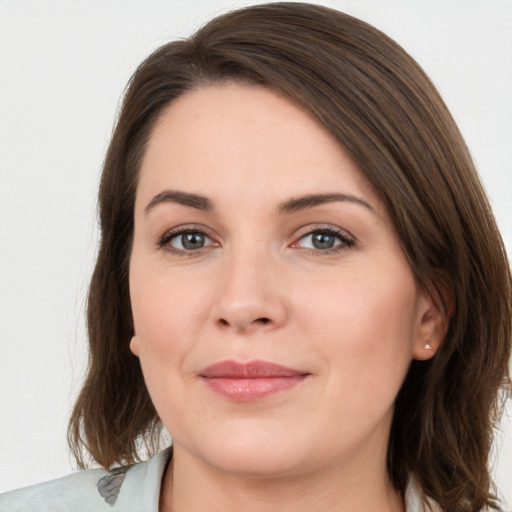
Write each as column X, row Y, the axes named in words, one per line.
column 311, row 200
column 292, row 205
column 184, row 198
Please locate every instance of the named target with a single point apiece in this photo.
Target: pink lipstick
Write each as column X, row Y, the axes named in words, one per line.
column 248, row 382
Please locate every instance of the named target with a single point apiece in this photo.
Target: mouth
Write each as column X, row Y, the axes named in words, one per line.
column 251, row 381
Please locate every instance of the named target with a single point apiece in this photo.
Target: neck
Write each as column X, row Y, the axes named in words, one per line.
column 191, row 485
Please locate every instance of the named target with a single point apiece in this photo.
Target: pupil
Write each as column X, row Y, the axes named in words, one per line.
column 323, row 241
column 192, row 240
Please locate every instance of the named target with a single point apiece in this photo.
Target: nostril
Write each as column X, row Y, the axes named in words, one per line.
column 226, row 323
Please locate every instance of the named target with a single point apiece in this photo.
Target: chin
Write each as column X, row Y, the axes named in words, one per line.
column 255, row 455
column 256, row 463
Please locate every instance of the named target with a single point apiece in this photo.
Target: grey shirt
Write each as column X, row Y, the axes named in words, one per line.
column 132, row 489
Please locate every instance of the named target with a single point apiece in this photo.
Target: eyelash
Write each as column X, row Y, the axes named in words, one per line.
column 164, row 241
column 346, row 240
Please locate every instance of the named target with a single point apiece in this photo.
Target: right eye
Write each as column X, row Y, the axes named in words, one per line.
column 186, row 240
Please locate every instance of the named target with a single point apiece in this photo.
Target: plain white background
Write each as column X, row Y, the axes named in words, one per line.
column 63, row 66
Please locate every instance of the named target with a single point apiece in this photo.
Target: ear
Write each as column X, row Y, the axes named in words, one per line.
column 134, row 346
column 433, row 320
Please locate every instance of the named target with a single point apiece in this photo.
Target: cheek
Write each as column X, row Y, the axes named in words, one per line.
column 364, row 330
column 166, row 315
column 166, row 311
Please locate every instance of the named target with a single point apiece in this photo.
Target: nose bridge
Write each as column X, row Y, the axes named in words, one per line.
column 249, row 294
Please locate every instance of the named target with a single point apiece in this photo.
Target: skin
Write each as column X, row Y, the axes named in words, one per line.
column 351, row 317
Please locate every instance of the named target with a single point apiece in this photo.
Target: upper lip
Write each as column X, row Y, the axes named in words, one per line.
column 255, row 369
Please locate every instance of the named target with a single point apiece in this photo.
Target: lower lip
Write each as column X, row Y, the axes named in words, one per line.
column 250, row 390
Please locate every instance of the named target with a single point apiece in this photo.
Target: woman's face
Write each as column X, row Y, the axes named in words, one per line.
column 275, row 313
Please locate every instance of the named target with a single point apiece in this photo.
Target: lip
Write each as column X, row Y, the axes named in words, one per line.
column 251, row 381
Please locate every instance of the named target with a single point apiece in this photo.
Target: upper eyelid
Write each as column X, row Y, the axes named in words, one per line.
column 346, row 239
column 169, row 234
column 306, row 229
column 309, row 229
column 184, row 228
column 301, row 232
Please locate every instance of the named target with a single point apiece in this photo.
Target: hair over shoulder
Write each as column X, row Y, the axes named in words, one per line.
column 384, row 111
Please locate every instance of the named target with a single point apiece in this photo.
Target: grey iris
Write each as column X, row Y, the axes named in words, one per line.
column 192, row 241
column 322, row 240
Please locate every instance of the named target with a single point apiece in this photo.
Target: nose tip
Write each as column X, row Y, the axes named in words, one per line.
column 249, row 296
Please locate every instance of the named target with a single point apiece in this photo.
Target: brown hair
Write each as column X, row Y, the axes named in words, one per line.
column 382, row 108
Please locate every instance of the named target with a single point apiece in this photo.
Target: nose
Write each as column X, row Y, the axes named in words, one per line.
column 251, row 295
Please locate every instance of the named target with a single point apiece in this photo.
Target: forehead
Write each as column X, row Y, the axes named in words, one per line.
column 244, row 141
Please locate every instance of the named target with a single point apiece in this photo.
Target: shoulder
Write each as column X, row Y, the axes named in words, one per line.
column 93, row 490
column 72, row 492
column 415, row 500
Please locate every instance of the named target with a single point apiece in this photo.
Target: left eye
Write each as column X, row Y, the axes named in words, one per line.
column 189, row 241
column 323, row 240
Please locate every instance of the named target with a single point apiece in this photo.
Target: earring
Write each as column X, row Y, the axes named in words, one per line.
column 427, row 347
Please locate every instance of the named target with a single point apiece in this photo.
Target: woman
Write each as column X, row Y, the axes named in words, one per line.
column 299, row 277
